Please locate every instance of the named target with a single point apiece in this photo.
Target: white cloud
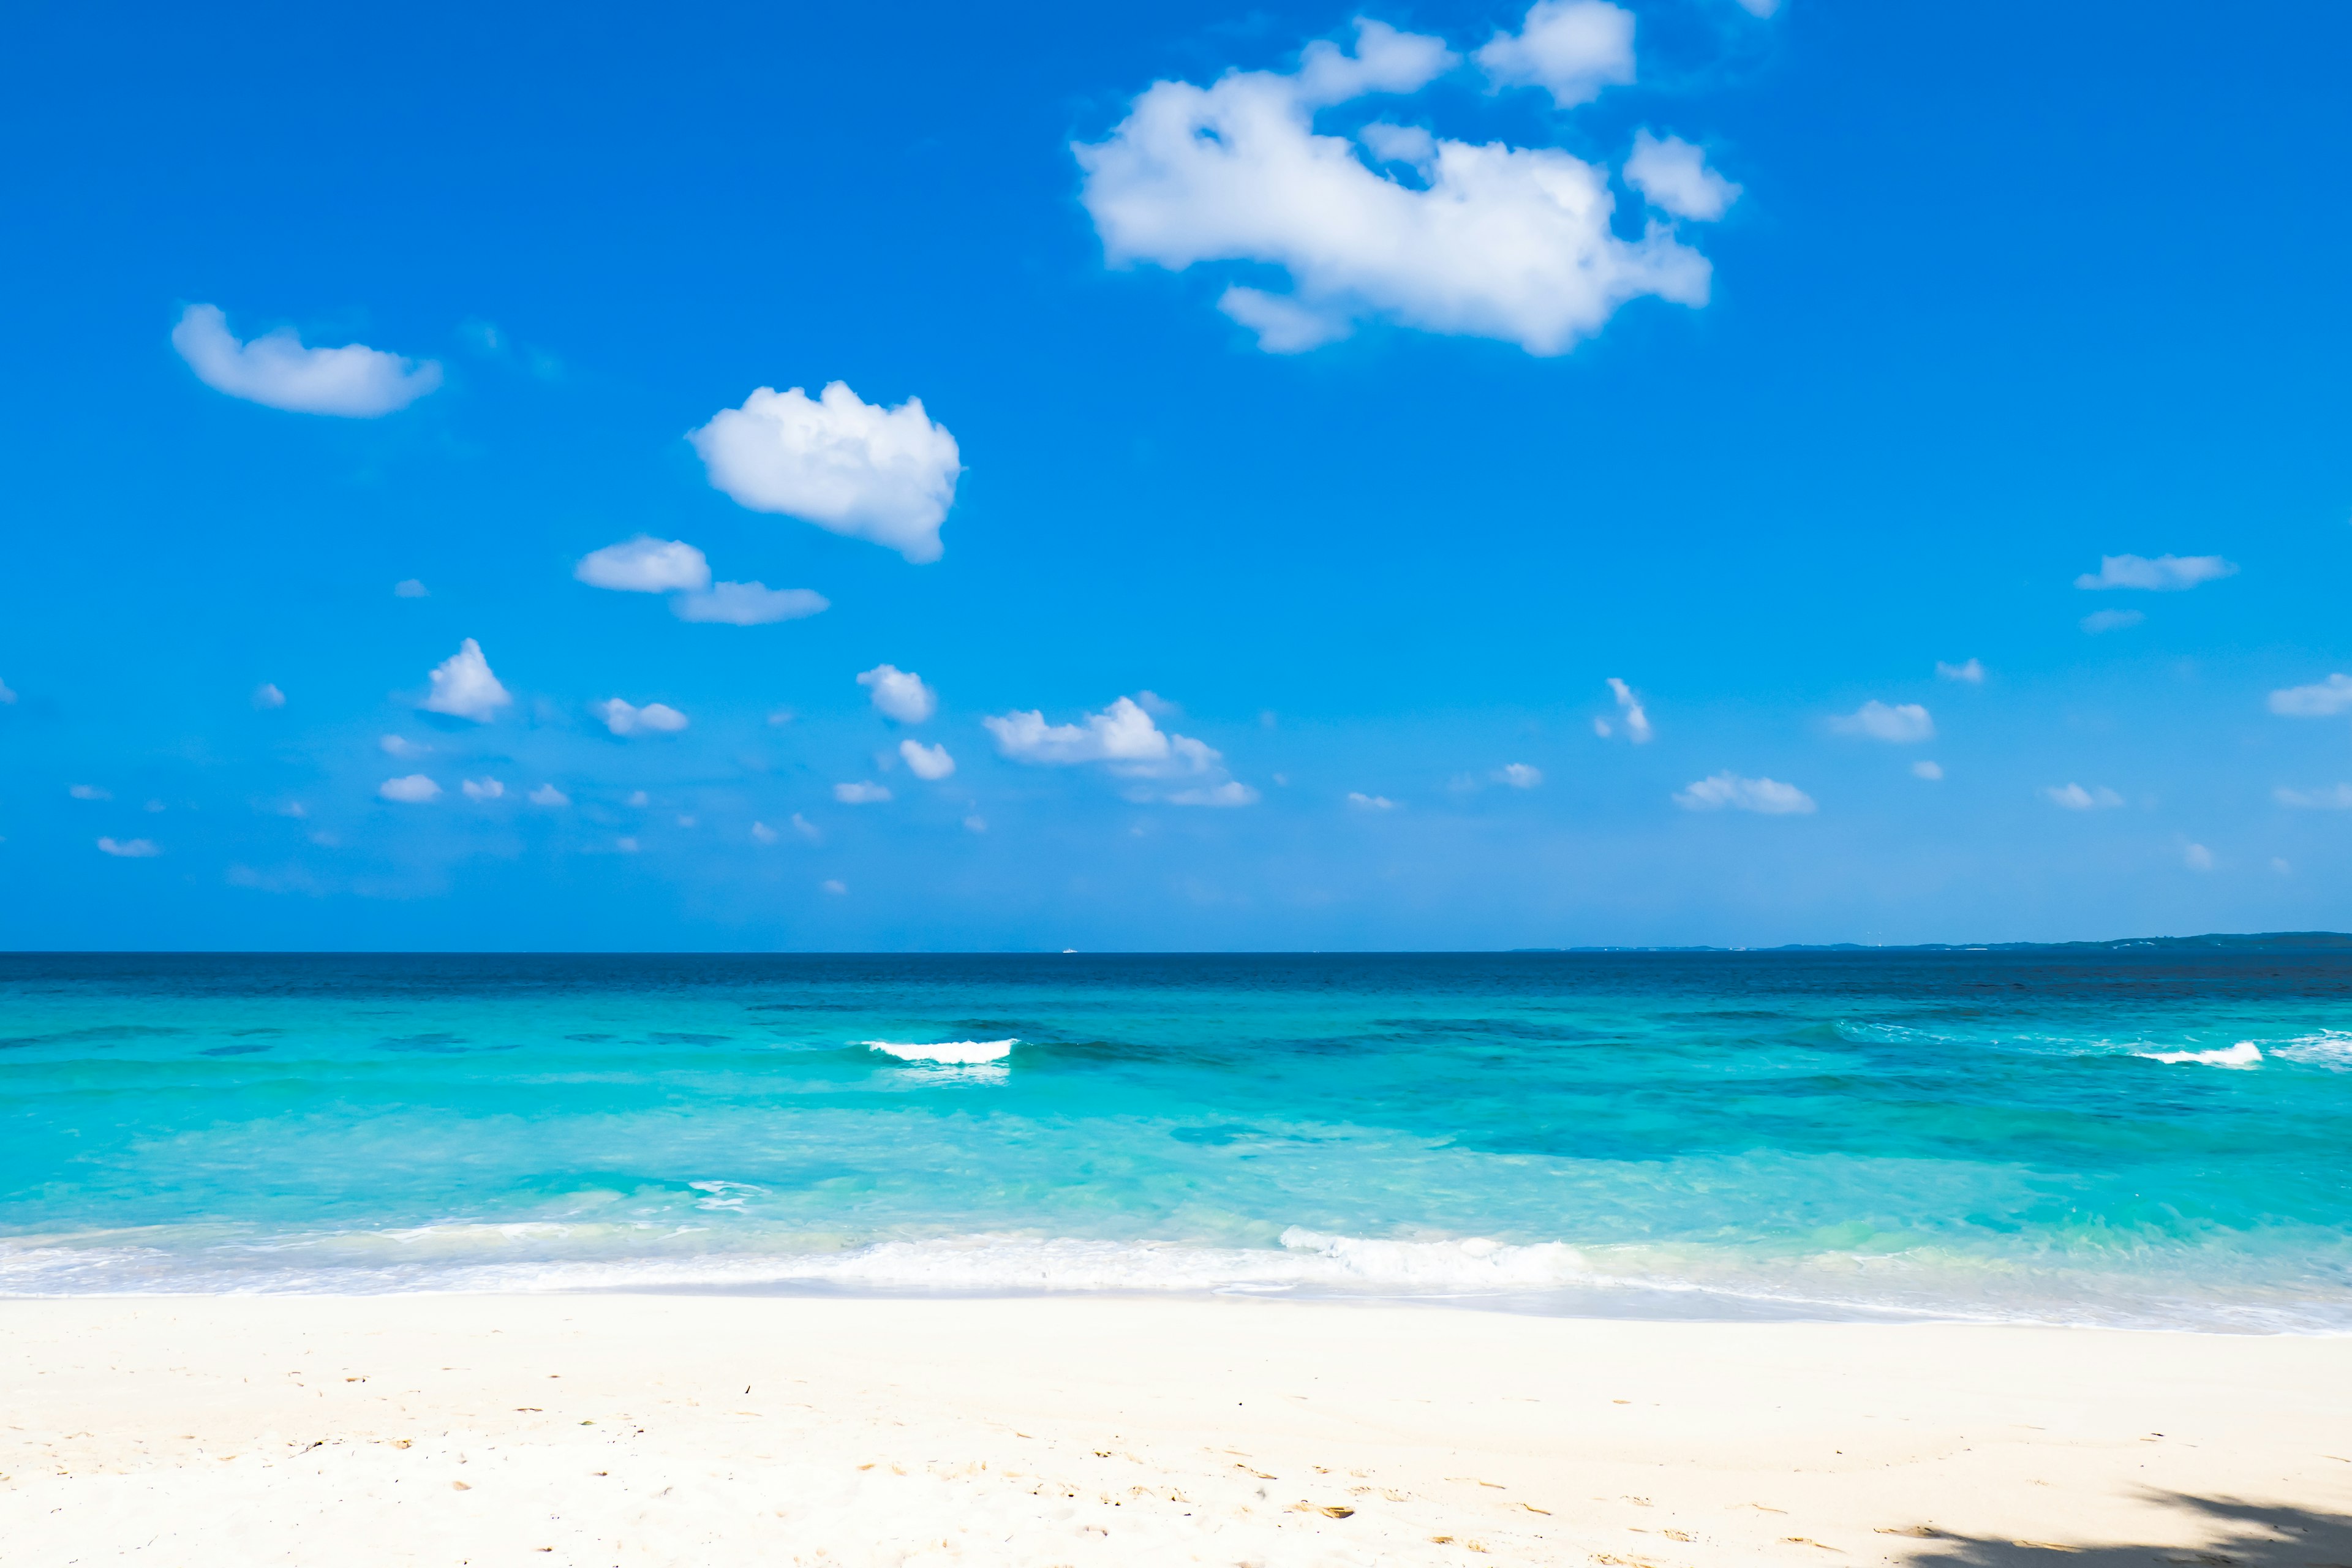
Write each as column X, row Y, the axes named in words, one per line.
column 1902, row 724
column 1924, row 769
column 625, row 718
column 764, row 833
column 900, row 694
column 483, row 789
column 410, row 588
column 833, row 885
column 1490, row 241
column 1601, row 727
column 855, row 468
column 639, row 797
column 929, row 762
column 1233, row 792
column 806, row 829
column 88, row 792
column 129, row 849
column 414, row 790
column 863, row 792
column 2166, row 574
column 2099, row 621
column 2075, row 797
column 975, row 824
column 548, row 794
column 1629, row 706
column 464, row 686
column 2322, row 700
column 1767, row 796
column 644, row 565
column 401, row 746
column 1572, row 49
column 1122, row 735
column 6, row 693
column 1672, row 175
column 2335, row 797
column 2279, row 865
column 2197, row 857
column 626, row 845
column 1518, row 775
column 1759, row 7
column 354, row 381
column 748, row 604
column 268, row 696
column 1370, row 802
column 1972, row 672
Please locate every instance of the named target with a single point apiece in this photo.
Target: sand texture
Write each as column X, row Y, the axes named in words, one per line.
column 612, row 1430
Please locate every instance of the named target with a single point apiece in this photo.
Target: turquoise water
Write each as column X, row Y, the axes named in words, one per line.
column 2137, row 1137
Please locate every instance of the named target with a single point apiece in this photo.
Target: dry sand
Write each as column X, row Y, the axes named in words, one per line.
column 703, row 1430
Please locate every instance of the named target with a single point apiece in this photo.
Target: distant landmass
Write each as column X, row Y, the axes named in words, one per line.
column 2224, row 942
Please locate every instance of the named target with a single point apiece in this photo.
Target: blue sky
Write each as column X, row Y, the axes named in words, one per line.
column 1356, row 420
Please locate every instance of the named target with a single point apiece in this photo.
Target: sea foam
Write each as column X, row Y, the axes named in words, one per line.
column 2244, row 1054
column 945, row 1053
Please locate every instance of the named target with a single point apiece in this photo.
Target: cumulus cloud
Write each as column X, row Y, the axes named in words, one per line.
column 267, row 696
column 865, row 792
column 1971, row 673
column 2322, row 700
column 749, row 604
column 1923, row 769
column 1571, row 48
column 410, row 588
column 1902, row 724
column 929, row 762
column 2099, row 621
column 1518, row 775
column 1770, row 798
column 464, row 688
column 899, row 694
column 483, row 789
column 355, row 382
column 129, row 849
column 888, row 474
column 548, row 794
column 644, row 565
column 1488, row 240
column 2335, row 797
column 2166, row 574
column 2075, row 797
column 625, row 718
column 1673, row 175
column 1370, row 802
column 1122, row 736
column 1628, row 708
column 415, row 789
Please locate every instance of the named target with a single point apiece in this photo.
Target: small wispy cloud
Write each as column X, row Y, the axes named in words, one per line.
column 267, row 696
column 410, row 588
column 2075, row 797
column 1768, row 797
column 2321, row 699
column 626, row 719
column 862, row 792
column 1518, row 775
column 1630, row 713
column 1902, row 724
column 483, row 789
column 899, row 694
column 548, row 794
column 353, row 382
column 2197, row 857
column 1370, row 802
column 1923, row 769
column 1971, row 671
column 1231, row 792
column 2333, row 797
column 401, row 746
column 89, row 792
column 415, row 789
column 129, row 849
column 748, row 604
column 2099, row 621
column 2163, row 574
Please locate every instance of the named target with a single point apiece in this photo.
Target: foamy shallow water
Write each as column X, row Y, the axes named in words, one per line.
column 1977, row 1137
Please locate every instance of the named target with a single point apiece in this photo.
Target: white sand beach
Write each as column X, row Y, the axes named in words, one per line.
column 709, row 1430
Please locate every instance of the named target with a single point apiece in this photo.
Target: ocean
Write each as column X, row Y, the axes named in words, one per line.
column 2156, row 1137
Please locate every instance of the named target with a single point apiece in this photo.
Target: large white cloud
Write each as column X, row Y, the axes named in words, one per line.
column 645, row 565
column 1770, row 798
column 464, row 688
column 2165, row 574
column 626, row 719
column 1903, row 723
column 1484, row 240
column 1572, row 49
column 748, row 604
column 888, row 474
column 2321, row 699
column 900, row 694
column 1672, row 176
column 354, row 381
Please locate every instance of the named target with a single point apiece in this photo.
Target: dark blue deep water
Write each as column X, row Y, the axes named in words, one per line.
column 2140, row 1137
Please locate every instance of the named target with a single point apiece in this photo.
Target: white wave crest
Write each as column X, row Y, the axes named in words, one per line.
column 947, row 1053
column 2244, row 1054
column 2325, row 1047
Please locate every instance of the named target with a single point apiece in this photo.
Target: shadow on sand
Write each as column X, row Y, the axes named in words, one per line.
column 2244, row 1535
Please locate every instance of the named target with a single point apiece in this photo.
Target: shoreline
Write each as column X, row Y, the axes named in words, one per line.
column 642, row 1428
